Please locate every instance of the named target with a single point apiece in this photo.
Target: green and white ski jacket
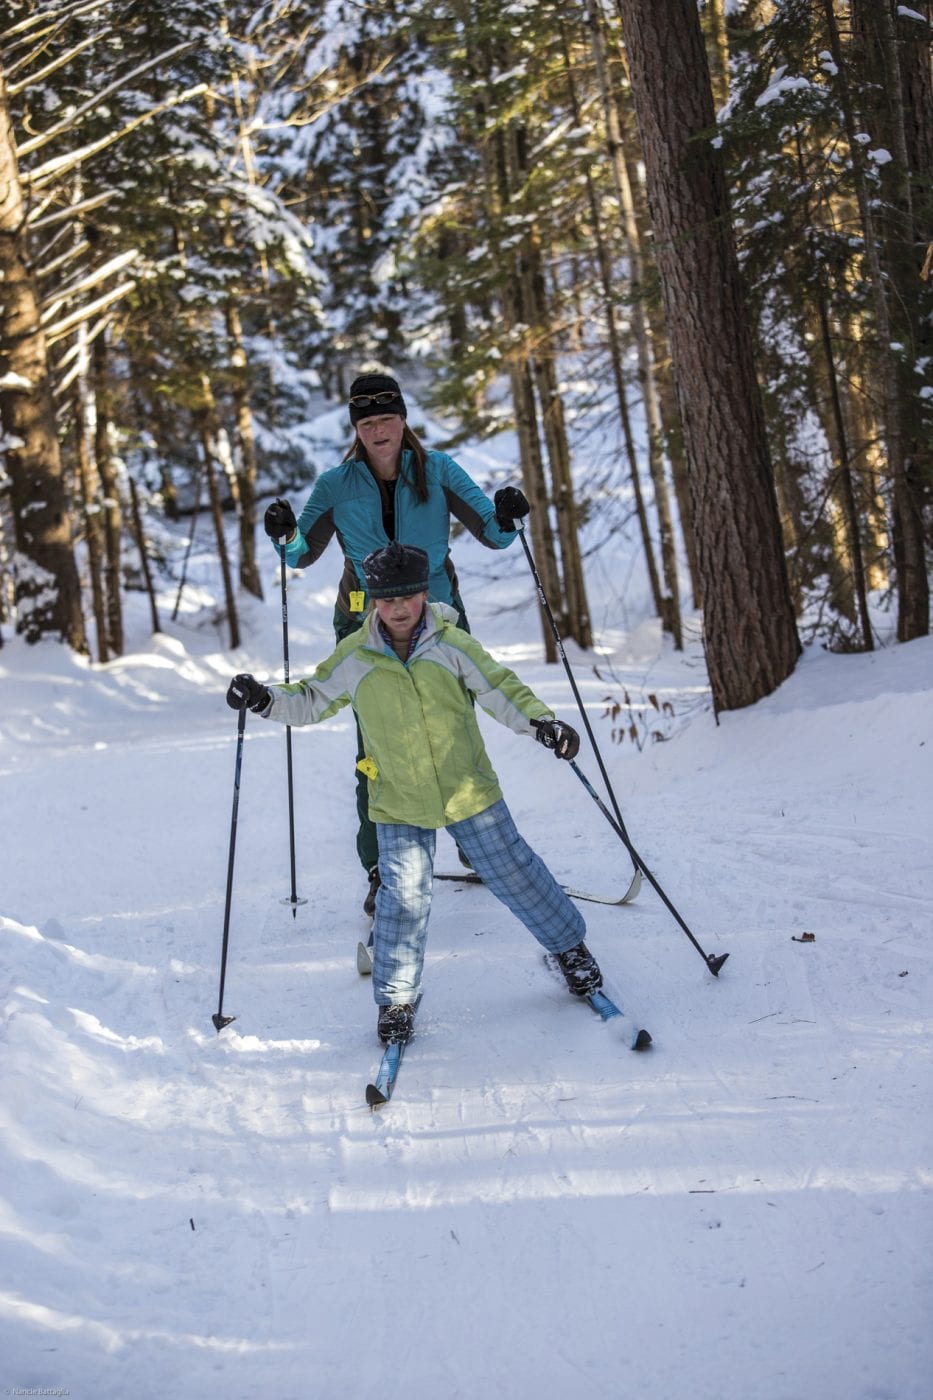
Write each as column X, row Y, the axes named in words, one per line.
column 425, row 758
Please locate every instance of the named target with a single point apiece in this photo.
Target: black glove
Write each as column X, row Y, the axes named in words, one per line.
column 553, row 734
column 279, row 520
column 511, row 505
column 245, row 692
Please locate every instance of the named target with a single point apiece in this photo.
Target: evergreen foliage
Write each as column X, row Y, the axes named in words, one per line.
column 231, row 210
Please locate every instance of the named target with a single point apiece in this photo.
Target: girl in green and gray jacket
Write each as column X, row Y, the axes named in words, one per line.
column 409, row 675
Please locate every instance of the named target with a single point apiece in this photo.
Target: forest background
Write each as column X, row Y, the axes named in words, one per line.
column 682, row 251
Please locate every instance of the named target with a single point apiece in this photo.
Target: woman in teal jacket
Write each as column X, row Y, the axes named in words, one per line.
column 411, row 677
column 389, row 487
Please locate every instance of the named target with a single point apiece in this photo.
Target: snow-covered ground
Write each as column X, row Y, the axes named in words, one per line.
column 743, row 1213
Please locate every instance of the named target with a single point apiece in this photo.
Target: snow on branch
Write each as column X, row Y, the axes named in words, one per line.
column 89, row 280
column 84, row 207
column 72, row 120
column 85, row 313
column 14, row 89
column 54, row 19
column 54, row 169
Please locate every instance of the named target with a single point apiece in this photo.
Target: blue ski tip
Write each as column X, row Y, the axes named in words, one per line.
column 380, row 1092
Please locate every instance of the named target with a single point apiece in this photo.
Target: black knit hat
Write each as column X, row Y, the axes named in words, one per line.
column 373, row 387
column 396, row 571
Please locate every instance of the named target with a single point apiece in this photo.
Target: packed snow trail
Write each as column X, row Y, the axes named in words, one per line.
column 744, row 1211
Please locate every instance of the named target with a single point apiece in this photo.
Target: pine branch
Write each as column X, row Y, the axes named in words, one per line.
column 85, row 313
column 71, row 121
column 88, row 280
column 14, row 89
column 56, row 20
column 54, row 169
column 37, row 218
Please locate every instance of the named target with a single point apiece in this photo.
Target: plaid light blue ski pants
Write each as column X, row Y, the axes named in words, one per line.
column 506, row 864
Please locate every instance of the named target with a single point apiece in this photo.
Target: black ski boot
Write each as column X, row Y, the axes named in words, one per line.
column 369, row 903
column 581, row 970
column 395, row 1024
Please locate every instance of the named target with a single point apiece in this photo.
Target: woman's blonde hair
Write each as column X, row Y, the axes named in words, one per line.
column 418, row 479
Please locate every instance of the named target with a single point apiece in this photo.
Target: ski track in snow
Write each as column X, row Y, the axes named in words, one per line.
column 744, row 1211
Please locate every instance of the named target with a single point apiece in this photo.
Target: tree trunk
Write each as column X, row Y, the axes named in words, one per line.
column 48, row 590
column 208, row 430
column 113, row 515
column 250, row 577
column 717, row 49
column 92, row 522
column 846, row 490
column 750, row 630
column 898, row 342
column 558, row 449
column 144, row 555
column 670, row 612
column 496, row 194
column 542, row 543
column 615, row 356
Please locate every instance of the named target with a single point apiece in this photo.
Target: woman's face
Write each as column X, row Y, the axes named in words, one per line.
column 381, row 435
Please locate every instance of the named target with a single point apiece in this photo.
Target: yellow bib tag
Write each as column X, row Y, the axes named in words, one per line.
column 357, row 602
column 367, row 766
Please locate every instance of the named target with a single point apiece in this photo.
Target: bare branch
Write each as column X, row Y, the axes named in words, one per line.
column 59, row 15
column 92, row 202
column 61, row 261
column 71, row 121
column 306, row 118
column 88, row 280
column 73, row 357
column 85, row 313
column 15, row 88
column 54, row 169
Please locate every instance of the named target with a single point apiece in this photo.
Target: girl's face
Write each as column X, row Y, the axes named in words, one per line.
column 400, row 616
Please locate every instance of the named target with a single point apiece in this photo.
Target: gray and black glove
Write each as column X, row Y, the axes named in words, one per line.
column 246, row 693
column 279, row 520
column 562, row 738
column 511, row 505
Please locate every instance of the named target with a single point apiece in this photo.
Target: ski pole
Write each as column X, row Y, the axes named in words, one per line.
column 713, row 961
column 220, row 1020
column 542, row 598
column 293, row 899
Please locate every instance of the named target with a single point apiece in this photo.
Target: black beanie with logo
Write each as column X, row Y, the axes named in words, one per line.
column 397, row 571
column 368, row 386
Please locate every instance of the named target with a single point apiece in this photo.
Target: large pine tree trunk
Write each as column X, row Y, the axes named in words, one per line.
column 750, row 631
column 48, row 591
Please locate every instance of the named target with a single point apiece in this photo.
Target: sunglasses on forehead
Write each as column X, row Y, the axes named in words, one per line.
column 366, row 400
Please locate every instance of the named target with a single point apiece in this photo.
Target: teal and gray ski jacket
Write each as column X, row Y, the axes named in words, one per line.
column 346, row 501
column 425, row 758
